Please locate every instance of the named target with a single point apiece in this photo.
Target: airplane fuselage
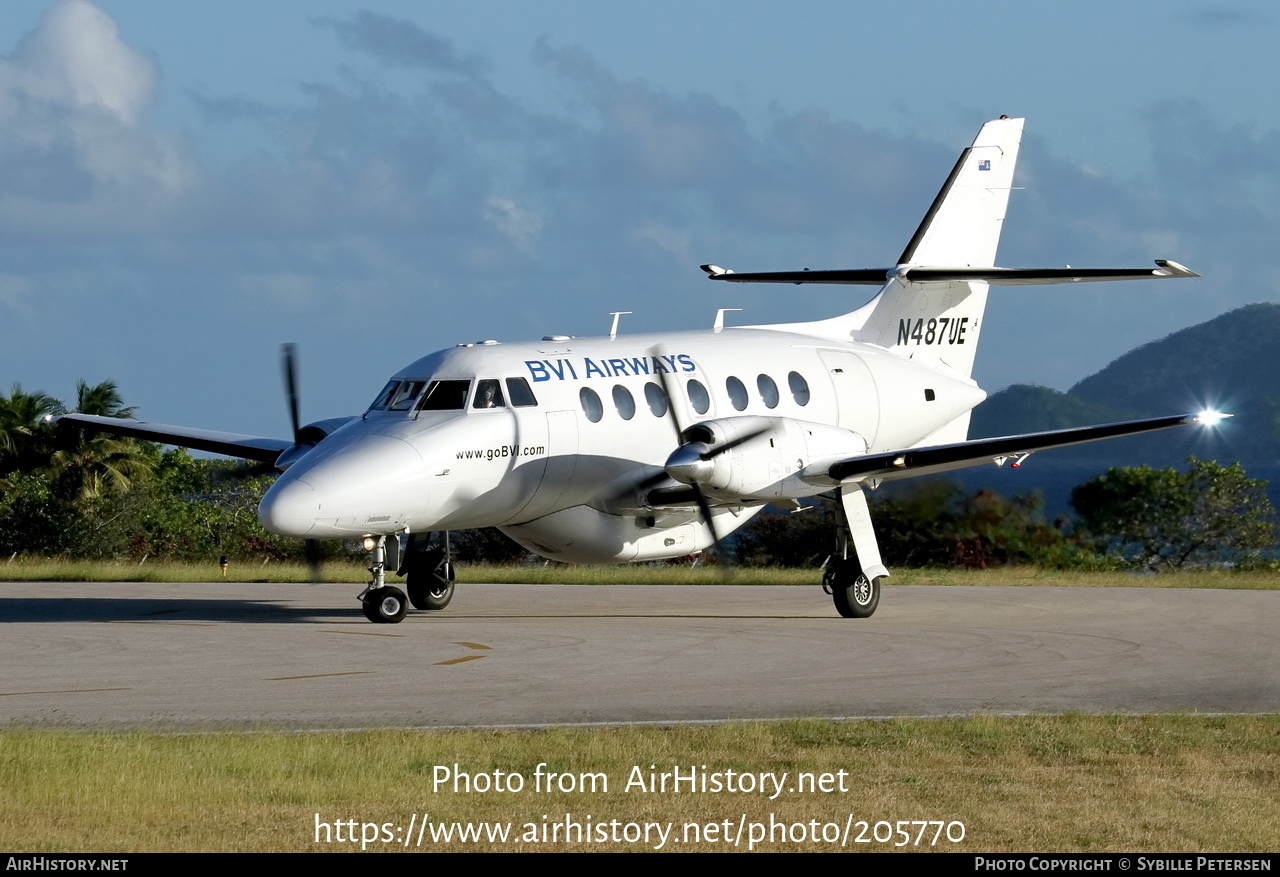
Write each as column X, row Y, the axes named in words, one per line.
column 574, row 422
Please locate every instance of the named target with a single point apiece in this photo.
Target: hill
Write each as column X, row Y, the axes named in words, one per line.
column 1231, row 362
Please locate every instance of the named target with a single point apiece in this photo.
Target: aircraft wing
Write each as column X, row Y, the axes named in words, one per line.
column 943, row 458
column 929, row 274
column 247, row 447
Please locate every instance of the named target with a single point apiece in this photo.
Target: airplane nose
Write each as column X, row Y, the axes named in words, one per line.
column 289, row 508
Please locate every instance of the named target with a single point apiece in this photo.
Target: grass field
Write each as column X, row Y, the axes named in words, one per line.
column 124, row 571
column 1180, row 783
column 1069, row 783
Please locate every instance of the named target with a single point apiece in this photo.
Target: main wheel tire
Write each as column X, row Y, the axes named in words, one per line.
column 430, row 592
column 387, row 605
column 429, row 580
column 854, row 593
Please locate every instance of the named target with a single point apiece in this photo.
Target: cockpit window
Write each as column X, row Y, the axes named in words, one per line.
column 488, row 395
column 445, row 396
column 384, row 397
column 519, row 393
column 403, row 397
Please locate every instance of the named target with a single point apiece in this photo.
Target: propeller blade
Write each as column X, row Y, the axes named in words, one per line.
column 311, row 550
column 726, row 558
column 665, row 380
column 289, row 353
column 716, row 450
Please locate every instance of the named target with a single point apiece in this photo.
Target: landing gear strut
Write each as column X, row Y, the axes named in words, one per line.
column 382, row 603
column 853, row 580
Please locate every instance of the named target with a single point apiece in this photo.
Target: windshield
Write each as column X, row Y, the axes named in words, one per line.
column 445, row 396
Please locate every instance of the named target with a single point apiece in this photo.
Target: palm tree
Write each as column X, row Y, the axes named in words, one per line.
column 87, row 466
column 103, row 400
column 25, row 435
column 90, row 466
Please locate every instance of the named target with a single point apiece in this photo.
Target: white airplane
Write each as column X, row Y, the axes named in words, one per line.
column 640, row 447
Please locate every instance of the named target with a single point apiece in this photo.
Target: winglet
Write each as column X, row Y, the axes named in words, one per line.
column 715, row 270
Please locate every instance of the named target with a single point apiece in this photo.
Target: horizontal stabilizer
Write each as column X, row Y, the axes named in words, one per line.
column 961, row 455
column 245, row 447
column 927, row 274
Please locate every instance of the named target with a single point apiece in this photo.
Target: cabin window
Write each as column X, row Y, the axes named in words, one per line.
column 737, row 393
column 698, row 396
column 403, row 397
column 799, row 388
column 624, row 402
column 768, row 391
column 519, row 393
column 385, row 397
column 591, row 404
column 445, row 396
column 488, row 395
column 656, row 398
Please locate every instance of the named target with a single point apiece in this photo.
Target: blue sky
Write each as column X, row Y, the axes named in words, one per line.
column 184, row 186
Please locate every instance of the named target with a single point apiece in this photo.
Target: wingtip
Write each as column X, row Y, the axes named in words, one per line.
column 1170, row 268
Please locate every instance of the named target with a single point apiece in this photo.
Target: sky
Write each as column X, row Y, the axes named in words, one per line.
column 186, row 186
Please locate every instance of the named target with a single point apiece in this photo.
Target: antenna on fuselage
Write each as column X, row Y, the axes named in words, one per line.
column 719, row 323
column 613, row 330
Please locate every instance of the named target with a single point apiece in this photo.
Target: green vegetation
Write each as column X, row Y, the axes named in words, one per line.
column 659, row 574
column 1165, row 518
column 78, row 496
column 1035, row 783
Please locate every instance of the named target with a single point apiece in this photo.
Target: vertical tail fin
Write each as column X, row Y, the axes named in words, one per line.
column 962, row 227
column 938, row 323
column 928, row 310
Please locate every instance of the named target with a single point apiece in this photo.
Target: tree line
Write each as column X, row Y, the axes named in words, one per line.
column 70, row 493
column 65, row 492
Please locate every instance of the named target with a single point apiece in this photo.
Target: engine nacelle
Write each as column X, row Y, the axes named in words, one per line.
column 761, row 458
column 308, row 437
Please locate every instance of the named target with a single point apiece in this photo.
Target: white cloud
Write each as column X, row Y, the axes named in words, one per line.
column 75, row 58
column 520, row 225
column 74, row 145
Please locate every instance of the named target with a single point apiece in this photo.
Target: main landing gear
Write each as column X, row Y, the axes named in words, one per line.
column 855, row 594
column 429, row 578
column 853, row 580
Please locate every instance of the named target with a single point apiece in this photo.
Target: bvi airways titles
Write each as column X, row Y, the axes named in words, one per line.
column 619, row 367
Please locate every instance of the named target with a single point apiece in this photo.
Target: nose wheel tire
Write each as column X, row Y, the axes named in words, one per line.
column 386, row 605
column 855, row 594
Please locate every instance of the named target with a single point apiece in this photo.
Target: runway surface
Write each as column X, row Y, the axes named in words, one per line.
column 303, row 656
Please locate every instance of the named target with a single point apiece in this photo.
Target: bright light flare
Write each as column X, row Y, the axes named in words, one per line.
column 1211, row 418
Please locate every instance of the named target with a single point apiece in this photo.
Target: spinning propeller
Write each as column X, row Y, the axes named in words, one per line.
column 289, row 355
column 691, row 462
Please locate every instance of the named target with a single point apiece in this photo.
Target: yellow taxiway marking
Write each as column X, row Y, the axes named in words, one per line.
column 361, row 633
column 60, row 691
column 473, row 645
column 318, row 675
column 459, row 660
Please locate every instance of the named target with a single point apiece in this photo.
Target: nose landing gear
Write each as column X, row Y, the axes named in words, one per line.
column 382, row 603
column 429, row 578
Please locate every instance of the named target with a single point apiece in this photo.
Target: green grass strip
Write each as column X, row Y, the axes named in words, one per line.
column 1183, row 783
